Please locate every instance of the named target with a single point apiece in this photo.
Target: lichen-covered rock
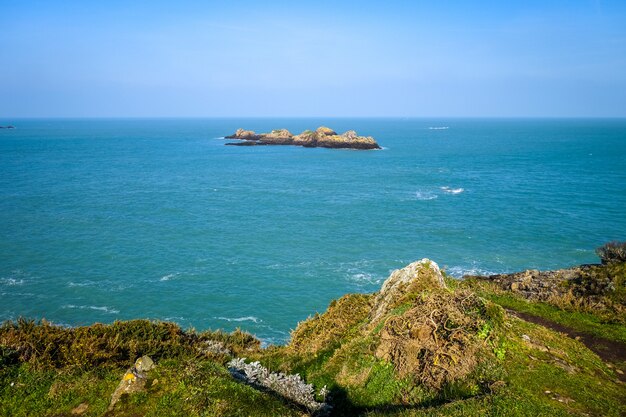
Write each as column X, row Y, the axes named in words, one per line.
column 307, row 138
column 243, row 135
column 291, row 387
column 325, row 131
column 279, row 134
column 134, row 380
column 213, row 347
column 416, row 276
column 592, row 286
column 277, row 137
column 348, row 139
column 350, row 135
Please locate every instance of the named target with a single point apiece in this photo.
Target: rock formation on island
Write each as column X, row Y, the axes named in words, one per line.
column 323, row 137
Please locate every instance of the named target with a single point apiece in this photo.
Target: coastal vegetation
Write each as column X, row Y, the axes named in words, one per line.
column 612, row 252
column 424, row 345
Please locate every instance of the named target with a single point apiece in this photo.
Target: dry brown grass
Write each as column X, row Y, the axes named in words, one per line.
column 426, row 331
column 322, row 330
column 436, row 340
column 47, row 345
column 612, row 252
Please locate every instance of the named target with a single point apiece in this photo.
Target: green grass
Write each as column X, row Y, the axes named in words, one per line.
column 25, row 391
column 183, row 388
column 581, row 321
column 49, row 370
column 523, row 369
column 528, row 373
column 362, row 385
column 531, row 372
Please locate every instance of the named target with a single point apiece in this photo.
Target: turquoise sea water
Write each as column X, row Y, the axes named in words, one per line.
column 120, row 219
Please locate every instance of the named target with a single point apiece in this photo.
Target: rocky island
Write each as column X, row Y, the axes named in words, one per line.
column 322, row 137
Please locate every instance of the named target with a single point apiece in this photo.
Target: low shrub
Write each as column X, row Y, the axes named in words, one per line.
column 46, row 345
column 612, row 252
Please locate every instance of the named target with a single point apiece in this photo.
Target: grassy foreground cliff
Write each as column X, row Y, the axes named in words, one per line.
column 424, row 345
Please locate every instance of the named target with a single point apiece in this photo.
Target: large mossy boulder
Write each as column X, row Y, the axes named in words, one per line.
column 416, row 336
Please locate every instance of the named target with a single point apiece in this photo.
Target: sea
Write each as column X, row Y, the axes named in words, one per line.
column 117, row 219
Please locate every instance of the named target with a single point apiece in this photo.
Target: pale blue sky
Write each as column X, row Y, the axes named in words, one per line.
column 317, row 58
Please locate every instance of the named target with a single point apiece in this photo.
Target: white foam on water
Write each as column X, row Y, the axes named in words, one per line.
column 276, row 266
column 275, row 340
column 169, row 276
column 291, row 265
column 363, row 278
column 438, row 128
column 460, row 271
column 449, row 190
column 9, row 282
column 584, row 250
column 359, row 273
column 279, row 337
column 104, row 309
column 174, row 318
column 15, row 277
column 246, row 318
column 19, row 294
column 107, row 284
column 425, row 195
column 81, row 284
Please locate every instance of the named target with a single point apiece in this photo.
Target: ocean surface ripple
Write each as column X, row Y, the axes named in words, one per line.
column 120, row 219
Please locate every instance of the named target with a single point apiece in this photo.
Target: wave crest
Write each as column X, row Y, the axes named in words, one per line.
column 104, row 309
column 449, row 190
column 9, row 282
column 246, row 318
column 425, row 195
column 461, row 271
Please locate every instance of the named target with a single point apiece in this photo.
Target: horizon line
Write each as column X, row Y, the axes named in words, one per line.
column 307, row 117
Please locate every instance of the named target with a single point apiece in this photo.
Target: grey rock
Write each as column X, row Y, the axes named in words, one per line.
column 424, row 272
column 134, row 380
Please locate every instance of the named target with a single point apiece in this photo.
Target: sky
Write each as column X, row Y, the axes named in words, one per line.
column 312, row 58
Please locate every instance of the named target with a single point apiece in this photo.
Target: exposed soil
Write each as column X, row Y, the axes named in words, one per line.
column 609, row 351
